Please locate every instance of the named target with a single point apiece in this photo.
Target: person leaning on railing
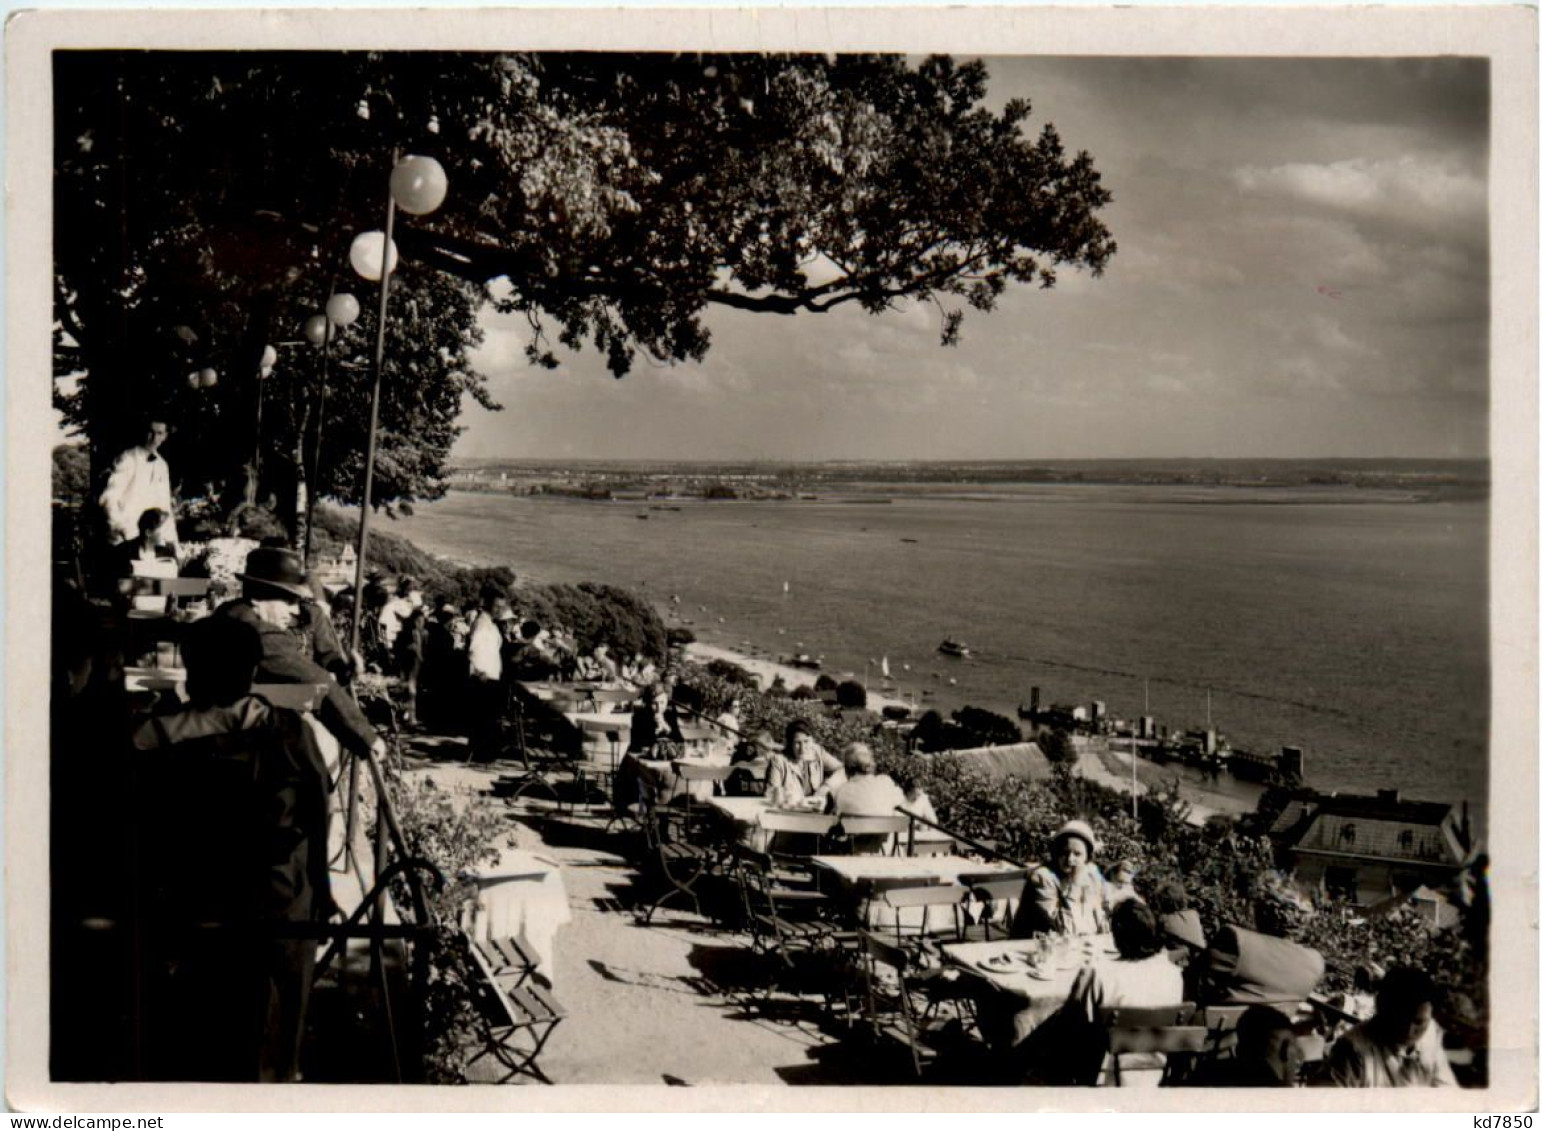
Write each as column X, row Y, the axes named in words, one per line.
column 273, row 587
column 230, row 1004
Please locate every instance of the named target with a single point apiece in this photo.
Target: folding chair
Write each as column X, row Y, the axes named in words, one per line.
column 1149, row 1043
column 595, row 772
column 509, row 1012
column 997, row 891
column 679, row 859
column 514, row 786
column 788, row 926
column 890, row 1010
column 1220, row 1022
column 871, row 836
column 688, row 773
column 511, row 961
column 925, row 897
column 784, row 826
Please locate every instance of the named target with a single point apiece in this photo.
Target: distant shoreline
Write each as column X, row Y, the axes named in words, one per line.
column 1175, row 493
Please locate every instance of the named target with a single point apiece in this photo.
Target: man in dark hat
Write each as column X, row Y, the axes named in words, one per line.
column 273, row 587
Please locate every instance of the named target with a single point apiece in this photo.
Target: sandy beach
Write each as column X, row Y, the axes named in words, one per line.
column 768, row 670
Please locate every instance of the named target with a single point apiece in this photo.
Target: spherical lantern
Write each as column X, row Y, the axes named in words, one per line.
column 192, row 379
column 269, row 357
column 364, row 255
column 208, row 378
column 418, row 185
column 342, row 309
column 316, row 329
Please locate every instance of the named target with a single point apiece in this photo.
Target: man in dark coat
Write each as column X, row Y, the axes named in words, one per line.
column 272, row 589
column 230, row 795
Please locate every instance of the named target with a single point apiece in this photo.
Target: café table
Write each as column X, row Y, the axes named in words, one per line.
column 859, row 874
column 744, row 813
column 521, row 892
column 1022, row 983
column 155, row 679
column 945, row 869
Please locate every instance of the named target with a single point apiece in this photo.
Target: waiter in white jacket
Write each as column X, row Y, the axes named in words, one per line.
column 140, row 481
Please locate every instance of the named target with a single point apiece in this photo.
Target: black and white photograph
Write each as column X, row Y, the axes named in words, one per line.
column 921, row 559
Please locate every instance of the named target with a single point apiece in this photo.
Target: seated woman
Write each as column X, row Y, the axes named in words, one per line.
column 650, row 722
column 804, row 770
column 867, row 793
column 1068, row 1048
column 1065, row 896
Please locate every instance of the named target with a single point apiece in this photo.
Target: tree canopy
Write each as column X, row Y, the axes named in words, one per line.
column 205, row 203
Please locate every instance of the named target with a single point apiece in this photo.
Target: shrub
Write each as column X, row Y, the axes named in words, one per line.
column 600, row 614
column 825, row 682
column 986, row 728
column 680, row 637
column 71, row 474
column 730, row 672
column 1056, row 745
column 456, row 838
column 851, row 694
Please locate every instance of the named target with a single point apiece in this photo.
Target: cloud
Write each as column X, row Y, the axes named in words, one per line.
column 1428, row 193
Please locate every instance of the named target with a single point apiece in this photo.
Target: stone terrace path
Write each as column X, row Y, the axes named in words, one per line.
column 678, row 1002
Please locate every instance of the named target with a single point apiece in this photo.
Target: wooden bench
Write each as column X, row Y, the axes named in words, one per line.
column 512, row 1008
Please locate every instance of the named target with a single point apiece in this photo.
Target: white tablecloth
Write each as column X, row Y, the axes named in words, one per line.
column 522, row 891
column 1040, row 993
column 942, row 869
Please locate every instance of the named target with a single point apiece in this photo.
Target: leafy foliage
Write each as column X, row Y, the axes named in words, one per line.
column 969, row 727
column 205, row 203
column 850, row 693
column 599, row 614
column 456, row 834
column 1057, row 746
column 71, row 474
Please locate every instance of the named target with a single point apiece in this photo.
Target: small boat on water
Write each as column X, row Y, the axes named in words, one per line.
column 951, row 647
column 804, row 660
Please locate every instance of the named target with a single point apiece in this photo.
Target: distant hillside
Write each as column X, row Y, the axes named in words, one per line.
column 1445, row 479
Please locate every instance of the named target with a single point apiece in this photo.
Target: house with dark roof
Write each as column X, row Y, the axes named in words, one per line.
column 1367, row 850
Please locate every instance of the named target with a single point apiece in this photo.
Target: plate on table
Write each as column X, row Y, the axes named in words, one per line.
column 1008, row 962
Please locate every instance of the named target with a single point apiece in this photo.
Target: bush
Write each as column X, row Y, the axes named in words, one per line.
column 456, row 838
column 803, row 693
column 679, row 637
column 825, row 682
column 986, row 728
column 1056, row 745
column 851, row 694
column 732, row 673
column 71, row 474
column 600, row 614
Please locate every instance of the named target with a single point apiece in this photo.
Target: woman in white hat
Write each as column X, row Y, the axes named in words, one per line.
column 1065, row 896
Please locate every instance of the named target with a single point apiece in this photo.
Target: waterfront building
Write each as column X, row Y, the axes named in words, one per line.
column 1369, row 849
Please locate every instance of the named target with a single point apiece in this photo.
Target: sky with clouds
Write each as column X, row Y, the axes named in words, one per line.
column 1302, row 271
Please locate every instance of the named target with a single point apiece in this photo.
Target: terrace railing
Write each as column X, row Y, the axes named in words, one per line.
column 391, row 867
column 988, row 849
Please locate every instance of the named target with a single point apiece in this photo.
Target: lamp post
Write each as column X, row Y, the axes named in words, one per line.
column 418, row 185
column 342, row 312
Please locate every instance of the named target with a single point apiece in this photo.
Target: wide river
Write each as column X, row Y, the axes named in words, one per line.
column 1357, row 631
